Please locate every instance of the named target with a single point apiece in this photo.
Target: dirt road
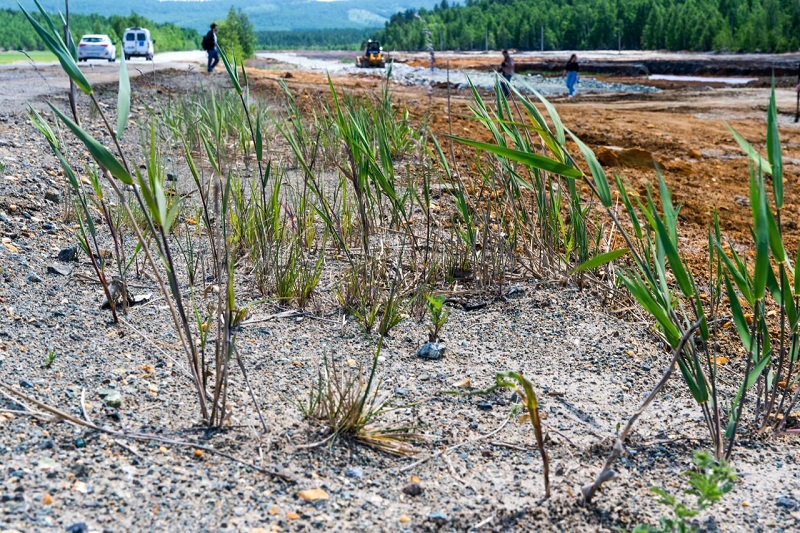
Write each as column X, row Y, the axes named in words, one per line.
column 26, row 82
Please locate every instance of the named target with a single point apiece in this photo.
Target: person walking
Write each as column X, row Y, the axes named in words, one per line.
column 507, row 70
column 210, row 46
column 571, row 73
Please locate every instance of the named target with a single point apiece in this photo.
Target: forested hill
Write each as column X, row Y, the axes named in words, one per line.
column 733, row 25
column 18, row 34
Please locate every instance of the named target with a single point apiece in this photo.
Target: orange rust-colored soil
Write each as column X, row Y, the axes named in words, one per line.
column 682, row 129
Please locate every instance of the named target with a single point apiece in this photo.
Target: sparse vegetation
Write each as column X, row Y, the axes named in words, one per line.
column 349, row 204
column 708, row 482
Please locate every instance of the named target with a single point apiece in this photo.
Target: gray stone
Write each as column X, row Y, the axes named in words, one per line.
column 59, row 270
column 111, row 397
column 53, row 196
column 354, row 472
column 33, row 277
column 78, row 527
column 438, row 517
column 431, row 351
column 786, row 502
column 68, row 254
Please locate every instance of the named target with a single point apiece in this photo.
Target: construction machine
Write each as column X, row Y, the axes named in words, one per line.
column 372, row 57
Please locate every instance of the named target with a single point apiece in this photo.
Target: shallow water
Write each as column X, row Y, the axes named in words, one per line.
column 670, row 77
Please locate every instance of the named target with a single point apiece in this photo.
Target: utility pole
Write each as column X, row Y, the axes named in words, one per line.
column 542, row 38
column 487, row 39
column 619, row 40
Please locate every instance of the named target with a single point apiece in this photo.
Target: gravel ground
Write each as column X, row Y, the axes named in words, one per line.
column 591, row 370
column 459, row 79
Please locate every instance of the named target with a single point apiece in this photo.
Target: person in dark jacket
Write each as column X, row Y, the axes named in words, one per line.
column 571, row 74
column 213, row 53
column 507, row 70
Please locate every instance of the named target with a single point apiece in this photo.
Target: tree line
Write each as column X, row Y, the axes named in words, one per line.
column 18, row 34
column 698, row 25
column 328, row 39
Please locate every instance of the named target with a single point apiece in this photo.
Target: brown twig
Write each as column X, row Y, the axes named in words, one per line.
column 606, row 472
column 142, row 436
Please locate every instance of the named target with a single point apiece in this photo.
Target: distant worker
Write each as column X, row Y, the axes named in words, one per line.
column 210, row 46
column 571, row 73
column 507, row 70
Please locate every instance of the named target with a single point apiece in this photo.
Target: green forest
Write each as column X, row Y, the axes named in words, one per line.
column 722, row 25
column 330, row 39
column 18, row 34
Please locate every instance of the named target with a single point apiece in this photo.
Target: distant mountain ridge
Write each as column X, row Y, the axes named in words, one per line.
column 266, row 15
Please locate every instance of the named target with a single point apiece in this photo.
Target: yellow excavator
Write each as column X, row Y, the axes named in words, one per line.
column 373, row 56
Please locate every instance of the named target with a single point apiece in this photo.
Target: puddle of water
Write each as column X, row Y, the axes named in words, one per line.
column 702, row 79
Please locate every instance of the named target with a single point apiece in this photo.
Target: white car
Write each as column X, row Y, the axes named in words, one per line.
column 96, row 47
column 137, row 42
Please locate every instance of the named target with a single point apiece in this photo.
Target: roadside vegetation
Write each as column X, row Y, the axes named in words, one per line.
column 16, row 56
column 352, row 188
column 18, row 34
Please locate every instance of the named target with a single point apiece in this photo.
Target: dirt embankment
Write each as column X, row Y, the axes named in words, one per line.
column 629, row 63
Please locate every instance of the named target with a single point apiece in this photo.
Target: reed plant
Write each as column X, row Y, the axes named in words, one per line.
column 159, row 215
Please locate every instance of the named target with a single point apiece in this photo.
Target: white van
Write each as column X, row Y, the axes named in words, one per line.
column 136, row 42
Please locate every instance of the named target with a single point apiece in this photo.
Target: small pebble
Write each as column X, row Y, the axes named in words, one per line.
column 786, row 502
column 354, row 472
column 438, row 517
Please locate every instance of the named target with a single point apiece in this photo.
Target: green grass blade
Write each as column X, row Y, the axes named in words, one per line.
column 645, row 298
column 100, row 153
column 774, row 149
column 57, row 46
column 756, row 371
column 599, row 175
column 738, row 315
column 600, row 260
column 678, row 270
column 670, row 213
column 797, row 274
column 698, row 393
column 760, row 162
column 231, row 68
column 762, row 243
column 123, row 97
column 623, row 192
column 554, row 116
column 526, row 158
column 775, row 239
column 739, row 275
column 259, row 141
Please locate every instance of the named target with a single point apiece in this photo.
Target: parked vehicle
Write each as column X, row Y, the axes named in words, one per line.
column 136, row 42
column 96, row 47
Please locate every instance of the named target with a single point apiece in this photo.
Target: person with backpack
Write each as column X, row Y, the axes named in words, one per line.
column 210, row 46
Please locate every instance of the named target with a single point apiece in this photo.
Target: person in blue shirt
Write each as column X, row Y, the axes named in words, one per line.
column 571, row 73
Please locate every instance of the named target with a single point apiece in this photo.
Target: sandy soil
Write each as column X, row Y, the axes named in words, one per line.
column 591, row 368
